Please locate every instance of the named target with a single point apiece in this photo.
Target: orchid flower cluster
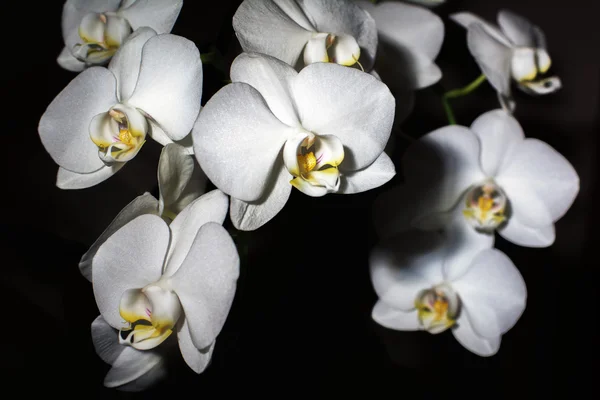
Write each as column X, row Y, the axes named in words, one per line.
column 312, row 103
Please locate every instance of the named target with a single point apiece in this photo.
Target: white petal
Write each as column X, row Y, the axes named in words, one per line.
column 211, row 207
column 373, row 176
column 64, row 127
column 464, row 333
column 392, row 318
column 106, row 341
column 250, row 216
column 442, row 165
column 276, row 28
column 169, row 87
column 499, row 134
column 159, row 15
column 125, row 64
column 237, row 141
column 144, row 204
column 68, row 62
column 129, row 365
column 544, row 171
column 462, row 244
column 517, row 28
column 206, row 283
column 467, row 19
column 345, row 17
column 523, row 235
column 360, row 114
column 175, row 169
column 129, row 259
column 404, row 265
column 412, row 38
column 66, row 179
column 272, row 78
column 492, row 292
column 525, row 204
column 196, row 359
column 493, row 57
column 131, row 368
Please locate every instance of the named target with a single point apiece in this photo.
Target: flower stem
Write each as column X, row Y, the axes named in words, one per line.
column 452, row 94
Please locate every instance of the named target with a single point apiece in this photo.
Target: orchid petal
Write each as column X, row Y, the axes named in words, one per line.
column 276, row 28
column 125, row 64
column 64, row 126
column 68, row 62
column 344, row 17
column 175, row 169
column 462, row 244
column 518, row 233
column 159, row 15
column 272, row 78
column 493, row 57
column 360, row 114
column 237, row 141
column 492, row 292
column 499, row 134
column 206, row 283
column 196, row 359
column 392, row 318
column 404, row 265
column 248, row 216
column 211, row 207
column 66, row 179
column 144, row 204
column 536, row 168
column 466, row 19
column 518, row 29
column 169, row 86
column 373, row 176
column 412, row 38
column 129, row 259
column 129, row 366
column 466, row 336
column 442, row 165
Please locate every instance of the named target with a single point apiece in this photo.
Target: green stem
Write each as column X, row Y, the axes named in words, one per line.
column 452, row 94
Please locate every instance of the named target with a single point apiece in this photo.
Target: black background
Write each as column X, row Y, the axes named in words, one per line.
column 299, row 325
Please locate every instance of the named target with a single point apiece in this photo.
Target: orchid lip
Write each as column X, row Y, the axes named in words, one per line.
column 486, row 206
column 438, row 308
column 101, row 36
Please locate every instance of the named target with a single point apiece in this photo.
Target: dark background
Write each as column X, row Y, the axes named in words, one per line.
column 298, row 325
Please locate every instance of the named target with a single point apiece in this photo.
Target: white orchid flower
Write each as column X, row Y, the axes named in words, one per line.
column 322, row 130
column 151, row 279
column 93, row 30
column 302, row 32
column 410, row 38
column 479, row 301
column 152, row 87
column 131, row 370
column 514, row 51
column 474, row 181
column 180, row 182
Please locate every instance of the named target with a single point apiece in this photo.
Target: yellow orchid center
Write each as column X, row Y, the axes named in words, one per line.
column 335, row 48
column 438, row 308
column 151, row 313
column 101, row 36
column 485, row 206
column 119, row 133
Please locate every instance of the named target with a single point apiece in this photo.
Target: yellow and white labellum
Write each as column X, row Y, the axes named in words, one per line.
column 119, row 133
column 438, row 308
column 102, row 35
column 485, row 206
column 151, row 312
column 313, row 161
column 528, row 66
column 327, row 47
